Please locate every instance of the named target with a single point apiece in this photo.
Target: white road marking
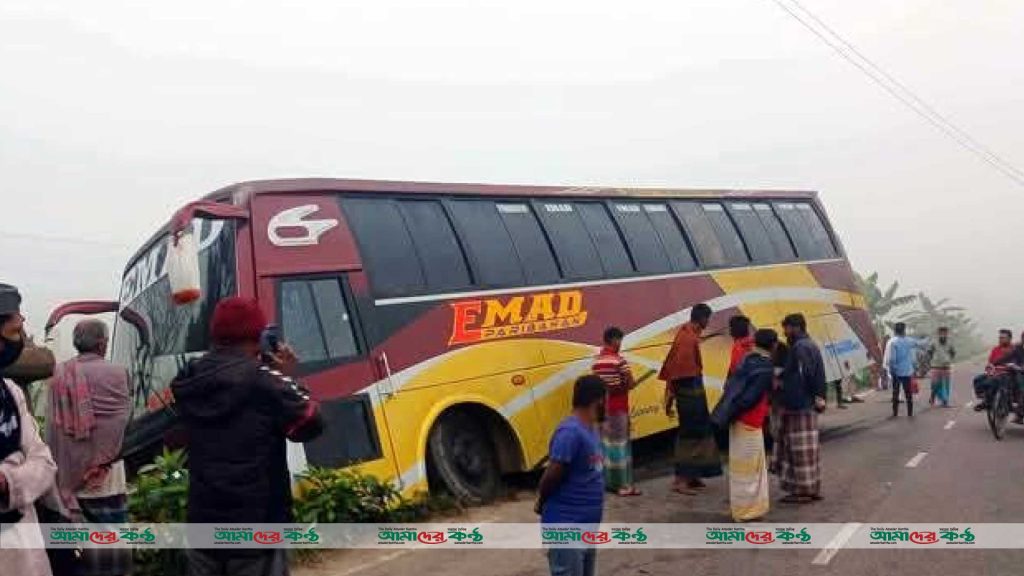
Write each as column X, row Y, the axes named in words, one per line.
column 949, row 425
column 836, row 544
column 916, row 460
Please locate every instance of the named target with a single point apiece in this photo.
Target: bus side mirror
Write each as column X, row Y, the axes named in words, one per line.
column 183, row 268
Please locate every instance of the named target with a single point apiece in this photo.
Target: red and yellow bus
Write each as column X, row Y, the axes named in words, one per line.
column 441, row 325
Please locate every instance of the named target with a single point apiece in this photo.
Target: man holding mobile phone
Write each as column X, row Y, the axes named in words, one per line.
column 238, row 412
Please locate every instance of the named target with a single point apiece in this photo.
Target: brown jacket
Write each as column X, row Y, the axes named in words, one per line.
column 683, row 359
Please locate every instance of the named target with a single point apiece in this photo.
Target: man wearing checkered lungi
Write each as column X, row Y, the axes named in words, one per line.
column 797, row 450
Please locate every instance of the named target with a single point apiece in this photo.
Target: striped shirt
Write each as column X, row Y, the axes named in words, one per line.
column 614, row 370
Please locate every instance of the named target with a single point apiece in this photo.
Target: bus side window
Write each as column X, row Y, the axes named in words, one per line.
column 488, row 244
column 754, row 233
column 780, row 240
column 528, row 239
column 671, row 237
column 807, row 230
column 818, row 231
column 710, row 249
column 316, row 320
column 387, row 249
column 606, row 237
column 642, row 239
column 444, row 265
column 573, row 245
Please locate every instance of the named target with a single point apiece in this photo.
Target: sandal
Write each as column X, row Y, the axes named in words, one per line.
column 631, row 491
column 794, row 499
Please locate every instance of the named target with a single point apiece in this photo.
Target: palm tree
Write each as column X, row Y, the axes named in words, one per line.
column 881, row 303
column 931, row 314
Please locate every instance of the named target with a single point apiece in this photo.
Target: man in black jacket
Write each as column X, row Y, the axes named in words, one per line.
column 237, row 414
column 797, row 457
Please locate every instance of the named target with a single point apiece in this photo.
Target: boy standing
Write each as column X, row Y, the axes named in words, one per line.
column 618, row 380
column 571, row 491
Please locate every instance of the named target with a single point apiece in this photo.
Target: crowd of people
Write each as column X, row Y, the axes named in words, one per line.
column 770, row 402
column 236, row 407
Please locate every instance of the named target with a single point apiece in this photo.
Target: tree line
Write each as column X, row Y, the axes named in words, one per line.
column 922, row 314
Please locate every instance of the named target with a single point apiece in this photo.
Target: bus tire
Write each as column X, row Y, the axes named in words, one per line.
column 463, row 455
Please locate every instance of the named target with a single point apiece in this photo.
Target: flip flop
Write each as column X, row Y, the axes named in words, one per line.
column 685, row 491
column 794, row 499
column 632, row 491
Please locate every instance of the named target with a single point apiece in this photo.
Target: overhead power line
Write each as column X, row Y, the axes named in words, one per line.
column 897, row 89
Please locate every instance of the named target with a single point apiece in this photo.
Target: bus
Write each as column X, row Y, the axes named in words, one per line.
column 441, row 326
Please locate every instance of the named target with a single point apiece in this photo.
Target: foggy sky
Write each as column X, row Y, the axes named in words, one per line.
column 114, row 113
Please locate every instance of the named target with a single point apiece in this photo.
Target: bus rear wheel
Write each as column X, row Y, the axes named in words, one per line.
column 464, row 458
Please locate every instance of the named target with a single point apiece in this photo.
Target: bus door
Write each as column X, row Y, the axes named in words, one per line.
column 305, row 260
column 316, row 317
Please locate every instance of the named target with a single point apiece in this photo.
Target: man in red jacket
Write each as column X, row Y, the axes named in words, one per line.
column 983, row 382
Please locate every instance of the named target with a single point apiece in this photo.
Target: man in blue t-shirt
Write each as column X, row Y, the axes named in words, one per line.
column 901, row 363
column 571, row 490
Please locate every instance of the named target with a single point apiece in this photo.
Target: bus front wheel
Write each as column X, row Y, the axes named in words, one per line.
column 464, row 458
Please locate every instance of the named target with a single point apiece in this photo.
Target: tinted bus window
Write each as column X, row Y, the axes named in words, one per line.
column 573, row 247
column 643, row 241
column 760, row 245
column 818, row 231
column 713, row 233
column 777, row 234
column 444, row 266
column 387, row 249
column 801, row 222
column 671, row 237
column 315, row 319
column 606, row 237
column 487, row 242
column 534, row 251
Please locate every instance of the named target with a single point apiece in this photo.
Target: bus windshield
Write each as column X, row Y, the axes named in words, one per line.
column 153, row 337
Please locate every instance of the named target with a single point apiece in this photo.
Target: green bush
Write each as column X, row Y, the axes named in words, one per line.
column 333, row 496
column 160, row 495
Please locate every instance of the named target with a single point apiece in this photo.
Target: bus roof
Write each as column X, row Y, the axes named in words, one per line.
column 244, row 190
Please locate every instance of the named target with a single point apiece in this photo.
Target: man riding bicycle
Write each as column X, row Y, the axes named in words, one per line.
column 984, row 383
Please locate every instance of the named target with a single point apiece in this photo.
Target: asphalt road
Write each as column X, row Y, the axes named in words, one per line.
column 966, row 476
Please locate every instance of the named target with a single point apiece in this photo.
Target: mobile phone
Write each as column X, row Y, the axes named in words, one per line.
column 270, row 340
